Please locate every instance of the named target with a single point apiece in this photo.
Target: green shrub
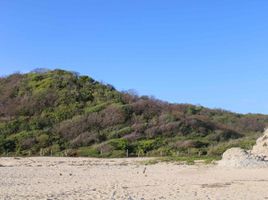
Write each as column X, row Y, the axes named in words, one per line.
column 119, row 144
column 120, row 133
column 8, row 146
column 145, row 146
column 96, row 108
column 55, row 148
column 88, row 152
column 43, row 140
column 118, row 154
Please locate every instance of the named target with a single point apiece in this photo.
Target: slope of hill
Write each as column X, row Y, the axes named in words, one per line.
column 59, row 112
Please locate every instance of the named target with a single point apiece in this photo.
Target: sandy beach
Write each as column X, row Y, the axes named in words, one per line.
column 126, row 179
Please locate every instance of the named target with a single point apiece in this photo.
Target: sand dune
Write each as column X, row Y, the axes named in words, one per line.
column 127, row 179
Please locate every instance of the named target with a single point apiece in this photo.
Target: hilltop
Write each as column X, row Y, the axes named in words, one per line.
column 59, row 112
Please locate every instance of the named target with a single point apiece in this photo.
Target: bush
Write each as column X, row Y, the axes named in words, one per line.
column 85, row 139
column 8, row 146
column 55, row 148
column 119, row 144
column 118, row 154
column 120, row 133
column 28, row 143
column 88, row 152
column 220, row 148
column 145, row 146
column 43, row 140
column 190, row 144
column 224, row 135
column 96, row 108
column 112, row 115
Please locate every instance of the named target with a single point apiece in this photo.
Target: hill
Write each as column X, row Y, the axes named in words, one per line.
column 62, row 113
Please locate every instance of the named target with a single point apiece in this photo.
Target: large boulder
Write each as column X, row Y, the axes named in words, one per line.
column 237, row 157
column 261, row 147
column 235, row 154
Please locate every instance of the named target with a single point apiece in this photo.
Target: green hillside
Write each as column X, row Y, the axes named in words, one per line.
column 62, row 113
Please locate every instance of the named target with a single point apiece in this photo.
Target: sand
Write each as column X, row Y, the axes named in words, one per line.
column 126, row 179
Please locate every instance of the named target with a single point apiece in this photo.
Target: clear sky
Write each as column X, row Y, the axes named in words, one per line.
column 213, row 53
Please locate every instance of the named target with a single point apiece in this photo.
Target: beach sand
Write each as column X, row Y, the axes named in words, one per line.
column 126, row 179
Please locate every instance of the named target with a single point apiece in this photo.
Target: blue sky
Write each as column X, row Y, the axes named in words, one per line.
column 213, row 53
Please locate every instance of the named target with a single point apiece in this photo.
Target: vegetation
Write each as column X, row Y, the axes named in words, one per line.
column 189, row 160
column 62, row 113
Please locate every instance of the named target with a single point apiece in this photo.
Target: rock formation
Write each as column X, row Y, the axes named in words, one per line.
column 257, row 157
column 261, row 147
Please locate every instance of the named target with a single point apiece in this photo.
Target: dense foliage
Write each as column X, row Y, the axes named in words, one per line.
column 62, row 113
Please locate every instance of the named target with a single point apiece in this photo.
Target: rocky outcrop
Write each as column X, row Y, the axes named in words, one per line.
column 237, row 157
column 261, row 147
column 257, row 157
